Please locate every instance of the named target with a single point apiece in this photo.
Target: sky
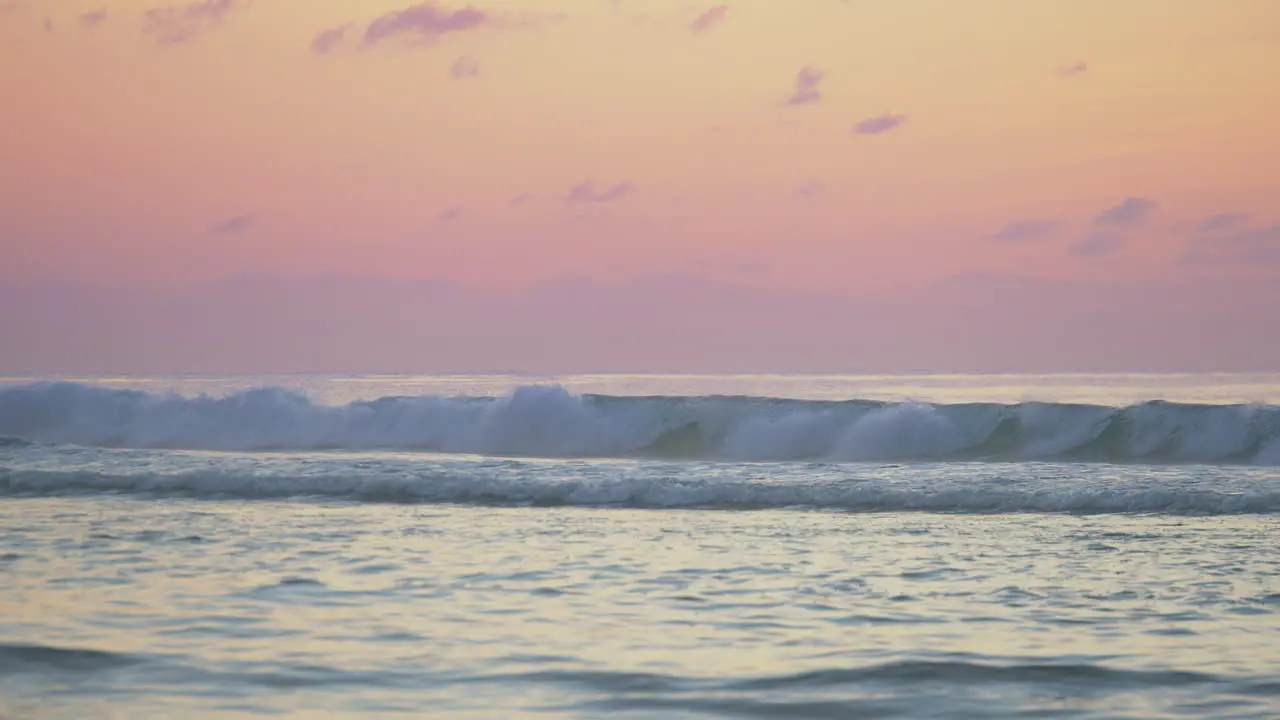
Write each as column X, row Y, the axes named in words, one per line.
column 801, row 158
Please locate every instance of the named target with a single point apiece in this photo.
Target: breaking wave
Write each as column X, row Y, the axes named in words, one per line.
column 548, row 421
column 938, row 487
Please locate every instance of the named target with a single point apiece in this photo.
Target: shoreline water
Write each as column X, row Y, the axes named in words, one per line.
column 145, row 579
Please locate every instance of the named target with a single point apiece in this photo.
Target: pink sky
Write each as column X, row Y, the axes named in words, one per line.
column 850, row 153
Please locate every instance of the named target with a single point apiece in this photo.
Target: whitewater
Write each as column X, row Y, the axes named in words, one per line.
column 549, row 421
column 640, row 546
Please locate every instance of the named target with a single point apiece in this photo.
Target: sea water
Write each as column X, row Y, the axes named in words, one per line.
column 640, row 546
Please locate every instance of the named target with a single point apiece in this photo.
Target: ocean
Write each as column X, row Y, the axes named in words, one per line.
column 635, row 546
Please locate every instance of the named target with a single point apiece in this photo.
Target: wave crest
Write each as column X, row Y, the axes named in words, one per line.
column 548, row 421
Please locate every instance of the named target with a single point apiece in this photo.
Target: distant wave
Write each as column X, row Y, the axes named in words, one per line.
column 548, row 421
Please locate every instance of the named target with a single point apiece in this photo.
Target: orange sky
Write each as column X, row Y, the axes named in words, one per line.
column 154, row 145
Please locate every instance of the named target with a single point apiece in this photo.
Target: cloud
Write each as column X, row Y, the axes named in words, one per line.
column 1074, row 70
column 811, row 189
column 1131, row 212
column 326, row 41
column 585, row 192
column 1096, row 245
column 1221, row 222
column 519, row 200
column 48, row 26
column 879, row 124
column 806, row 91
column 464, row 67
column 237, row 224
column 1255, row 246
column 91, row 19
column 1024, row 230
column 452, row 213
column 178, row 24
column 709, row 19
column 425, row 22
column 750, row 269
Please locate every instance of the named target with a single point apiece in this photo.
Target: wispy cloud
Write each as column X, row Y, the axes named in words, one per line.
column 1024, row 230
column 326, row 41
column 709, row 19
column 1076, row 69
column 464, row 67
column 749, row 269
column 879, row 124
column 182, row 23
column 449, row 214
column 237, row 224
column 811, row 189
column 585, row 192
column 92, row 19
column 1095, row 245
column 806, row 91
column 1255, row 246
column 519, row 200
column 1131, row 212
column 1221, row 222
column 424, row 23
column 1112, row 224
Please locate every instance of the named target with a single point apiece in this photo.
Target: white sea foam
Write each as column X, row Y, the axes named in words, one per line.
column 647, row 486
column 909, row 430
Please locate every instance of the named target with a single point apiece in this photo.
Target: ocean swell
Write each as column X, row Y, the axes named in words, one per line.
column 547, row 421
